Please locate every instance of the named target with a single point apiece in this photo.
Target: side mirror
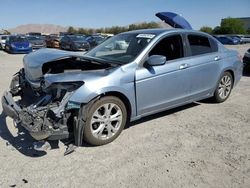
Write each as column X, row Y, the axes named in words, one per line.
column 156, row 60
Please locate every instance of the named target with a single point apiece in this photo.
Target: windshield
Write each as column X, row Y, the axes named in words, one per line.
column 77, row 37
column 18, row 39
column 122, row 48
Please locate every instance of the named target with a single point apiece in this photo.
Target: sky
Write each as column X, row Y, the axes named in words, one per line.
column 97, row 13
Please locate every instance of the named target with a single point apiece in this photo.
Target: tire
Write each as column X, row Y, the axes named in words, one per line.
column 224, row 87
column 100, row 128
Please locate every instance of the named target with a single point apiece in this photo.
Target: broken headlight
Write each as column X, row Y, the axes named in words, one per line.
column 59, row 89
column 67, row 86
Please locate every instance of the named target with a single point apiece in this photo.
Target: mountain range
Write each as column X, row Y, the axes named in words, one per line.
column 50, row 28
column 42, row 28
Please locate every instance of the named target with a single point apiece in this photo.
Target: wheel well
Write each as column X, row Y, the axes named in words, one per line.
column 123, row 98
column 232, row 73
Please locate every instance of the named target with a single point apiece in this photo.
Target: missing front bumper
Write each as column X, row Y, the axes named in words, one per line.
column 38, row 121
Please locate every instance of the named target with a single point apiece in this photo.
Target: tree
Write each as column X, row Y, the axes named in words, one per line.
column 114, row 29
column 248, row 31
column 71, row 30
column 206, row 29
column 232, row 26
column 217, row 30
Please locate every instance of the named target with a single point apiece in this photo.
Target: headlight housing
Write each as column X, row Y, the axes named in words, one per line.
column 58, row 89
column 67, row 86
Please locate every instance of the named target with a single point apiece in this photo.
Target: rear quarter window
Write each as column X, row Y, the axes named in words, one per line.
column 201, row 45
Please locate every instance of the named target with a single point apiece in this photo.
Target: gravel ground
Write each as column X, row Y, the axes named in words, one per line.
column 198, row 145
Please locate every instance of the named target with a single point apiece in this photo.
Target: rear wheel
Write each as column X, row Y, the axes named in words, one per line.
column 105, row 121
column 224, row 87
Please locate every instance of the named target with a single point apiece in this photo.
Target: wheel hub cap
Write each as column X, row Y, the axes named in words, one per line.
column 106, row 121
column 225, row 86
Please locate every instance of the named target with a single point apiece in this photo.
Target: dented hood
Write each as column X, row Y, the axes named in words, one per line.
column 76, row 76
column 174, row 20
column 34, row 61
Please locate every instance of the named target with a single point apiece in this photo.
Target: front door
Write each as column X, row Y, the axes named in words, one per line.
column 164, row 86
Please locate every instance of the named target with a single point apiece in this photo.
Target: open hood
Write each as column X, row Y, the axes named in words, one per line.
column 174, row 20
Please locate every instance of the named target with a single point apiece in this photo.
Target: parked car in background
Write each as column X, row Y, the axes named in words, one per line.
column 92, row 96
column 245, row 38
column 121, row 45
column 74, row 42
column 95, row 40
column 52, row 41
column 237, row 37
column 2, row 41
column 18, row 44
column 34, row 34
column 246, row 59
column 37, row 42
column 228, row 40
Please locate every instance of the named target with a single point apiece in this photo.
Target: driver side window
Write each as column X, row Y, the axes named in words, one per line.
column 171, row 47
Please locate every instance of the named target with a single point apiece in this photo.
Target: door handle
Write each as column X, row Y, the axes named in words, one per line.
column 217, row 58
column 184, row 66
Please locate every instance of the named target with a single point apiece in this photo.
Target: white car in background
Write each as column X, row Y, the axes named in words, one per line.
column 121, row 45
column 246, row 39
column 2, row 41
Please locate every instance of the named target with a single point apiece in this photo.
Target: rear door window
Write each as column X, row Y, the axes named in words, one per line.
column 201, row 45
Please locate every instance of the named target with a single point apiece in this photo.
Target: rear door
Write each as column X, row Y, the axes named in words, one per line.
column 204, row 65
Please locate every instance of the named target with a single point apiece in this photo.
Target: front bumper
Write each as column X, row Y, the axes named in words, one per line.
column 13, row 110
column 41, row 117
column 20, row 50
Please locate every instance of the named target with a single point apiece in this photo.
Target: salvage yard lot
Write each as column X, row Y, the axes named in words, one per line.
column 198, row 145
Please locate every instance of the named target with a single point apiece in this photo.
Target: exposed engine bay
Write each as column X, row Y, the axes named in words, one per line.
column 71, row 63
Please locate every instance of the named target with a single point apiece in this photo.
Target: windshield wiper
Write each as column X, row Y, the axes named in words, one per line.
column 98, row 60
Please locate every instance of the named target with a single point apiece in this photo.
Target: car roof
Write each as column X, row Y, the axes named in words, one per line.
column 156, row 31
column 159, row 31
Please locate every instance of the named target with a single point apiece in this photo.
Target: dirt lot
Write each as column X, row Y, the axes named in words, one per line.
column 198, row 145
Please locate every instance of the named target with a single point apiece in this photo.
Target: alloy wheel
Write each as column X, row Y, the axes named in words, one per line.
column 106, row 121
column 225, row 86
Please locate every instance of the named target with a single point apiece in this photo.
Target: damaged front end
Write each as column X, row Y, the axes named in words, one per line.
column 46, row 113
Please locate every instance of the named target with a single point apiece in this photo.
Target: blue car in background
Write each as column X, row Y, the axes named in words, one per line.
column 228, row 40
column 18, row 44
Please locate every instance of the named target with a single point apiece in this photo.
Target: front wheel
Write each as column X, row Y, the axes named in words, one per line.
column 106, row 119
column 224, row 87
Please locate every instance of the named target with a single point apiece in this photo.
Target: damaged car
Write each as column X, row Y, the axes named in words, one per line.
column 59, row 94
